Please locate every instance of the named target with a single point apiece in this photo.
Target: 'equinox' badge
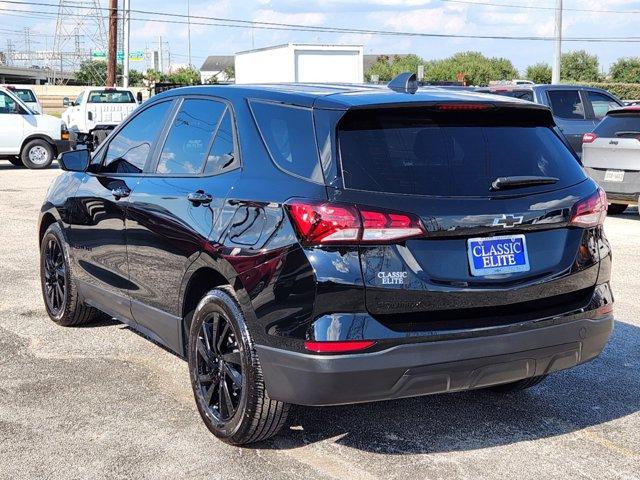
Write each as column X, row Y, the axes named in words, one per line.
column 507, row 220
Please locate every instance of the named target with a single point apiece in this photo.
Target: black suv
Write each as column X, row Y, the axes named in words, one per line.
column 332, row 244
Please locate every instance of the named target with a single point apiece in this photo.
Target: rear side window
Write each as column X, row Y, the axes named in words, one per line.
column 189, row 138
column 449, row 153
column 619, row 125
column 288, row 134
column 601, row 103
column 566, row 104
column 521, row 94
column 222, row 156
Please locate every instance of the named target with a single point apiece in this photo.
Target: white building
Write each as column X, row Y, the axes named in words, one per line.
column 296, row 62
column 216, row 66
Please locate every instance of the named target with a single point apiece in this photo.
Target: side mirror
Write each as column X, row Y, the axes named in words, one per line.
column 139, row 96
column 66, row 102
column 75, row 160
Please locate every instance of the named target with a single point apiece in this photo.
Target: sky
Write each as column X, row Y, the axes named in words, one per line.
column 485, row 17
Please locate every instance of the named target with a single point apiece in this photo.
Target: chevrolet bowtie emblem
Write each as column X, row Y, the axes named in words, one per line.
column 507, row 220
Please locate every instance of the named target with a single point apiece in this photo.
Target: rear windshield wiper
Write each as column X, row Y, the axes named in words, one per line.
column 502, row 183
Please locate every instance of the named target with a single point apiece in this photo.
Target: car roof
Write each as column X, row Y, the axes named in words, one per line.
column 627, row 109
column 342, row 96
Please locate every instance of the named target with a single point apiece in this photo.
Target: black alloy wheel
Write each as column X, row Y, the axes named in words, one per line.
column 55, row 276
column 219, row 367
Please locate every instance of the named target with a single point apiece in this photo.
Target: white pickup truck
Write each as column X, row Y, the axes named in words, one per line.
column 95, row 112
column 26, row 137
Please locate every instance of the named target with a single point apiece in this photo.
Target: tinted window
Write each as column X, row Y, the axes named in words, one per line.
column 222, row 156
column 601, row 103
column 521, row 94
column 447, row 153
column 128, row 150
column 619, row 125
column 289, row 137
column 566, row 104
column 7, row 104
column 110, row 96
column 189, row 138
column 25, row 95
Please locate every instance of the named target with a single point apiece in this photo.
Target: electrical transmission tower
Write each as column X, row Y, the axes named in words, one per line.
column 80, row 30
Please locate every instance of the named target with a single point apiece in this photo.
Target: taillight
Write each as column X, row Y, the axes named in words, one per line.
column 338, row 347
column 591, row 211
column 321, row 223
column 589, row 137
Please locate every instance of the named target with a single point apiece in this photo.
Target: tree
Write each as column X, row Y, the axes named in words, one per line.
column 93, row 72
column 386, row 68
column 539, row 73
column 477, row 69
column 626, row 70
column 136, row 78
column 579, row 66
column 154, row 76
column 185, row 76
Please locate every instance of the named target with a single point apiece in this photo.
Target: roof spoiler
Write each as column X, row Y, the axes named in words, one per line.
column 406, row 82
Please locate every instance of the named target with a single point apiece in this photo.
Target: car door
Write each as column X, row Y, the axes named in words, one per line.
column 570, row 115
column 12, row 124
column 174, row 208
column 98, row 231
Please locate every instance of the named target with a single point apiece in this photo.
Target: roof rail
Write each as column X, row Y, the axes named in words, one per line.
column 406, row 82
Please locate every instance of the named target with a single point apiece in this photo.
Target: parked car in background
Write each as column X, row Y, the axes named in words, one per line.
column 96, row 112
column 28, row 138
column 27, row 96
column 576, row 109
column 611, row 156
column 334, row 244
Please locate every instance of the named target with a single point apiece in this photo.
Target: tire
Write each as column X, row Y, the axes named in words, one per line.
column 64, row 306
column 519, row 385
column 16, row 161
column 37, row 154
column 234, row 405
column 616, row 208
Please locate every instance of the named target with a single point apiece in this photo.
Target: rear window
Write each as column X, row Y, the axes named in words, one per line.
column 521, row 94
column 619, row 125
column 110, row 96
column 422, row 152
column 25, row 95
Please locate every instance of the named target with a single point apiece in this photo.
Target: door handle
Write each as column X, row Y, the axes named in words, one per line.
column 200, row 198
column 120, row 192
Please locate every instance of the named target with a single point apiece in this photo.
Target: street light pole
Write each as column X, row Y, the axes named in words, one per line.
column 189, row 31
column 555, row 73
column 125, row 24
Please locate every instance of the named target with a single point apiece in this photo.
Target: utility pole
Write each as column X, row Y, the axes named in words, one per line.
column 160, row 65
column 125, row 26
column 555, row 73
column 189, row 32
column 113, row 43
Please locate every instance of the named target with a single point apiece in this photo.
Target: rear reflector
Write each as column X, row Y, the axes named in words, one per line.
column 591, row 211
column 589, row 137
column 320, row 223
column 338, row 347
column 463, row 106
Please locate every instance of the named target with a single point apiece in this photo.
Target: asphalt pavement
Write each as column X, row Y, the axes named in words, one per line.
column 103, row 402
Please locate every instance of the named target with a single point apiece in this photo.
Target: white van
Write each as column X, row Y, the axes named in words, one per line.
column 26, row 137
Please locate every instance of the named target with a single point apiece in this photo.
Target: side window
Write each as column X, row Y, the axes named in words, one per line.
column 601, row 103
column 288, row 134
column 128, row 150
column 79, row 98
column 222, row 156
column 566, row 104
column 7, row 104
column 188, row 141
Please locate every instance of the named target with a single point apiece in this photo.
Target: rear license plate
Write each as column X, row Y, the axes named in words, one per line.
column 496, row 255
column 614, row 176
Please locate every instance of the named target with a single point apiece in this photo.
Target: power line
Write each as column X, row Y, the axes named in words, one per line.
column 221, row 22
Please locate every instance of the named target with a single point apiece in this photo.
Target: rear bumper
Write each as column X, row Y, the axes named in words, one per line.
column 626, row 191
column 431, row 367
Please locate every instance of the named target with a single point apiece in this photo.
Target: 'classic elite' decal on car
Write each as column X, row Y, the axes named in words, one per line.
column 392, row 278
